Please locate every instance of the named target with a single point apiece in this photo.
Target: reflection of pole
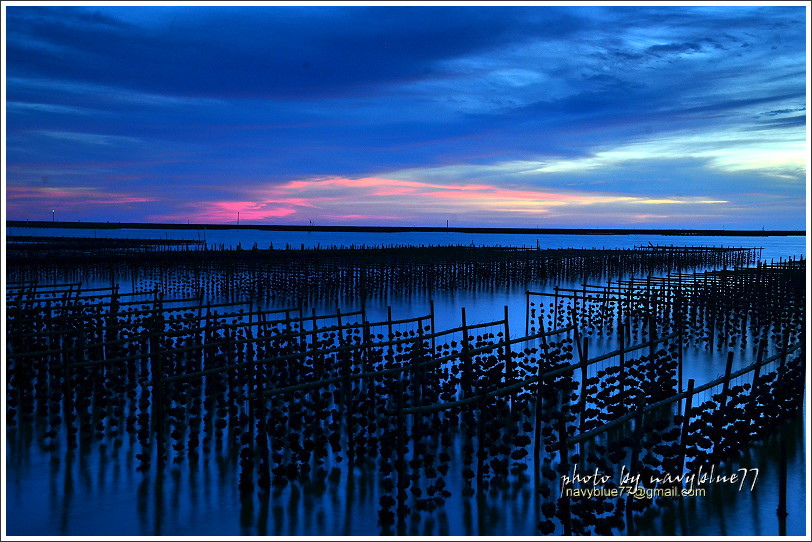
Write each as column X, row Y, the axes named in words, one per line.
column 563, row 452
column 782, row 491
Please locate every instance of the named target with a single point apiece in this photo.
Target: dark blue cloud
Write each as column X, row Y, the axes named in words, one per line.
column 796, row 121
column 671, row 48
column 277, row 52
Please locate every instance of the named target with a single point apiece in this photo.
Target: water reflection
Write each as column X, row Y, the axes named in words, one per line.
column 88, row 494
column 726, row 511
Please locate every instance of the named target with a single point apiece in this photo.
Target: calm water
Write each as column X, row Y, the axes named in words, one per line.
column 774, row 247
column 94, row 492
column 97, row 490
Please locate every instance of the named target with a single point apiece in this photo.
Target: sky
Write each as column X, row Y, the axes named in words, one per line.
column 518, row 116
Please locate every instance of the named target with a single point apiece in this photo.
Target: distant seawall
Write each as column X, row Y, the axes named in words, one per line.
column 400, row 229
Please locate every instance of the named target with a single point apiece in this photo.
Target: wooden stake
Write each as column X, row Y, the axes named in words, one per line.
column 686, row 422
column 726, row 383
column 508, row 350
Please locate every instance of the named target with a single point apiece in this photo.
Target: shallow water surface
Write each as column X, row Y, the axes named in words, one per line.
column 96, row 489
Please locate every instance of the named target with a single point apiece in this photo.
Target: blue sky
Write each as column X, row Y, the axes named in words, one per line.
column 643, row 116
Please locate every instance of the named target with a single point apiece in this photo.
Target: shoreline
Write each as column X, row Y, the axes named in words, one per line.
column 405, row 229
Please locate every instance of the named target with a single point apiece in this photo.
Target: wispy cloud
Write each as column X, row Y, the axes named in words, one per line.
column 727, row 150
column 105, row 93
column 76, row 199
column 91, row 139
column 46, row 108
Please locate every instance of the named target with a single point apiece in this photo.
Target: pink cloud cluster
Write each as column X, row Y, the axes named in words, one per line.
column 226, row 211
column 336, row 199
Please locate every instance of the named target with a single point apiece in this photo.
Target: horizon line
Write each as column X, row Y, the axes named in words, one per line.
column 403, row 229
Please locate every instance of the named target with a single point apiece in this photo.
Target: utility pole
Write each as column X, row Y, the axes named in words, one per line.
column 53, row 215
column 238, row 218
